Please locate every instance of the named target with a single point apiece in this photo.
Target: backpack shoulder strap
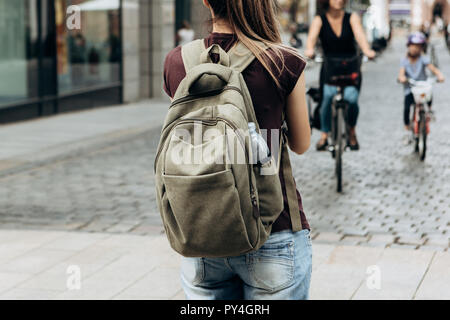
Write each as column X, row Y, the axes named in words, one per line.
column 241, row 56
column 191, row 53
column 291, row 188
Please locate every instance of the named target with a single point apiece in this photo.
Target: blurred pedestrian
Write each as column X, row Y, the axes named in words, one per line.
column 78, row 58
column 295, row 41
column 185, row 34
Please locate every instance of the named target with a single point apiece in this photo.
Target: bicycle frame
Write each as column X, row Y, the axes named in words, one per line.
column 339, row 132
column 422, row 92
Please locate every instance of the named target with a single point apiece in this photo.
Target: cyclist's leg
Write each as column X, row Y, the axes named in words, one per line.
column 409, row 100
column 351, row 95
column 325, row 109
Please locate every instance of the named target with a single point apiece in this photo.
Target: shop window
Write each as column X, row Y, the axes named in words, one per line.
column 18, row 56
column 88, row 56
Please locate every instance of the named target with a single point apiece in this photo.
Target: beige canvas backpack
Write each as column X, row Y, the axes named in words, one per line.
column 214, row 202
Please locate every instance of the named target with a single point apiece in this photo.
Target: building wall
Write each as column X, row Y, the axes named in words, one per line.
column 148, row 35
column 131, row 47
column 422, row 11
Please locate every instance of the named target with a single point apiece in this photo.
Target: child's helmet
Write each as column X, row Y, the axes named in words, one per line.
column 417, row 38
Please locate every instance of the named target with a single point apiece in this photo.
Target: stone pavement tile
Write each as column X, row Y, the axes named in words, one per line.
column 128, row 241
column 352, row 240
column 403, row 246
column 112, row 279
column 328, row 237
column 441, row 241
column 411, row 240
column 98, row 226
column 381, row 239
column 432, row 248
column 343, row 272
column 9, row 280
column 16, row 242
column 148, row 230
column 122, row 228
column 321, row 254
column 400, row 273
column 355, row 231
column 161, row 283
column 28, row 294
column 89, row 261
column 179, row 296
column 75, row 241
column 436, row 283
column 35, row 261
column 97, row 288
column 129, row 269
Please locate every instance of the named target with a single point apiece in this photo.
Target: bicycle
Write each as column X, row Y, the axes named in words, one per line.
column 421, row 116
column 339, row 109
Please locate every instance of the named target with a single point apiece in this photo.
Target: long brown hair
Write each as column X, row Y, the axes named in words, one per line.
column 251, row 21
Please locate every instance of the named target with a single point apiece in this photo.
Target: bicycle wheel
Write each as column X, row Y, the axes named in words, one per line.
column 422, row 137
column 339, row 148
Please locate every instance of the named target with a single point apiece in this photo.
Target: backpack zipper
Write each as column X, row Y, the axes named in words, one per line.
column 203, row 95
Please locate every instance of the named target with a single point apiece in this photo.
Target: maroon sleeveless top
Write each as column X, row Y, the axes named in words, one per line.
column 269, row 100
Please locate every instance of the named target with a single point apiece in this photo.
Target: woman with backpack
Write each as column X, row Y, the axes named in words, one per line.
column 281, row 267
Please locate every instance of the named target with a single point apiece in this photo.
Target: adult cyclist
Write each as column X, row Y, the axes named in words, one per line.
column 338, row 31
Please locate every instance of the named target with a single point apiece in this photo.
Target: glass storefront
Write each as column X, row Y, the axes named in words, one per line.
column 18, row 56
column 47, row 66
column 88, row 56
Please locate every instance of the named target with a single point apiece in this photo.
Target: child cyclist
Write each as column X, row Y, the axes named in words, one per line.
column 414, row 66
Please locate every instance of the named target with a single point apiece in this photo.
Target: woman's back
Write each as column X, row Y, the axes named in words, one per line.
column 269, row 100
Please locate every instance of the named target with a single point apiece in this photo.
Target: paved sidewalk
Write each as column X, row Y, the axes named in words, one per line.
column 41, row 265
column 35, row 142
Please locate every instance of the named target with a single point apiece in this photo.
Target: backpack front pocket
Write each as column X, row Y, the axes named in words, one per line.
column 203, row 215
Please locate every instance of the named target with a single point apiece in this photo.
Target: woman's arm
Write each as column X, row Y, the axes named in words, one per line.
column 360, row 36
column 297, row 118
column 313, row 35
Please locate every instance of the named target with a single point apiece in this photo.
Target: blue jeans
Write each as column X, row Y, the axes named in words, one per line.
column 279, row 270
column 351, row 95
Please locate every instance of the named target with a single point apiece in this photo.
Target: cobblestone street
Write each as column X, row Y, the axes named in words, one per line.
column 390, row 198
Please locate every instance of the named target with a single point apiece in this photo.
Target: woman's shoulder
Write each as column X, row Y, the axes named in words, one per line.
column 174, row 71
column 173, row 58
column 319, row 19
column 292, row 58
column 294, row 66
column 353, row 16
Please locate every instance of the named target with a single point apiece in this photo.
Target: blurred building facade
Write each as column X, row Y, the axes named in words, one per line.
column 428, row 12
column 64, row 55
